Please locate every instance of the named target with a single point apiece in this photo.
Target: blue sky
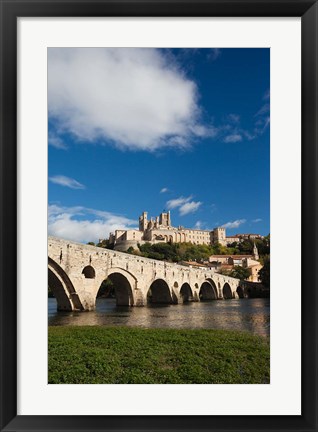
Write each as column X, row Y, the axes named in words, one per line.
column 133, row 130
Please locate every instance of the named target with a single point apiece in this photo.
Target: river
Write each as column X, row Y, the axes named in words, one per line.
column 251, row 315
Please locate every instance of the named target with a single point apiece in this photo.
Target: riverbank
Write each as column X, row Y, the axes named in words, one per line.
column 118, row 355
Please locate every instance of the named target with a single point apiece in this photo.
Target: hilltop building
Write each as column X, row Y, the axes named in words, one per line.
column 160, row 229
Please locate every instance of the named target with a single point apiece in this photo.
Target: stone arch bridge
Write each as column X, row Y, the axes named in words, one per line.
column 76, row 272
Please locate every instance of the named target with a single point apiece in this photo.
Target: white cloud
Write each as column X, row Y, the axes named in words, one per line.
column 213, row 53
column 234, row 224
column 177, row 202
column 233, row 138
column 164, row 190
column 83, row 224
column 263, row 110
column 56, row 141
column 135, row 98
column 66, row 181
column 232, row 132
column 267, row 94
column 185, row 205
column 262, row 119
column 248, row 135
column 189, row 207
column 198, row 225
column 266, row 123
column 213, row 207
column 234, row 118
column 204, row 131
column 257, row 220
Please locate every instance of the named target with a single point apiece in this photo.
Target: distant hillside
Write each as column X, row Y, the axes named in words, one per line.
column 175, row 252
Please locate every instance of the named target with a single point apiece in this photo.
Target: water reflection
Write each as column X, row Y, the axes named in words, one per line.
column 250, row 315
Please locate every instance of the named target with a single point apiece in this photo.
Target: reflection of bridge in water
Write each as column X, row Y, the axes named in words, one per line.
column 76, row 272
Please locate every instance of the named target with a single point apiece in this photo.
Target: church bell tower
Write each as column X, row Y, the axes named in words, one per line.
column 255, row 252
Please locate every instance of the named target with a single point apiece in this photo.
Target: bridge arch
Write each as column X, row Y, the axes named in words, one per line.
column 62, row 287
column 123, row 284
column 214, row 286
column 159, row 292
column 186, row 293
column 227, row 291
column 89, row 272
column 207, row 292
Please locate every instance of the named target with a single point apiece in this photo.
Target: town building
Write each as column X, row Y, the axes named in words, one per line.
column 160, row 229
column 241, row 237
column 226, row 263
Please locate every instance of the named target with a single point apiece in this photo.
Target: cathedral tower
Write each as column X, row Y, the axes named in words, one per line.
column 255, row 252
column 143, row 222
column 165, row 219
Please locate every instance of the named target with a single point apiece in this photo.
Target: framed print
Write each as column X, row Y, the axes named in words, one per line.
column 203, row 114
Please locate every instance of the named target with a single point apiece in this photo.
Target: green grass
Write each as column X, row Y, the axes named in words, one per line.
column 103, row 355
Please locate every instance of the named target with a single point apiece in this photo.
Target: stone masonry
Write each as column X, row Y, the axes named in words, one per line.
column 76, row 271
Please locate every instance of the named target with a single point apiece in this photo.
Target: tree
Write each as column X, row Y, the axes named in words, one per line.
column 263, row 245
column 106, row 289
column 219, row 249
column 105, row 244
column 239, row 272
column 187, row 251
column 264, row 273
column 246, row 247
column 91, row 243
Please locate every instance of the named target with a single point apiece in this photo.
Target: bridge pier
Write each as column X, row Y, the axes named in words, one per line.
column 77, row 271
column 139, row 298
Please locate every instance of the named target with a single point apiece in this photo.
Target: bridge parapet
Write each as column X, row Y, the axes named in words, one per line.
column 86, row 267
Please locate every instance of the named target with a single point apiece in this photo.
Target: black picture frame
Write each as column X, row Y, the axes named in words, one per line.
column 10, row 11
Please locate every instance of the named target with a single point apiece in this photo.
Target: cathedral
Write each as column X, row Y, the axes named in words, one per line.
column 160, row 229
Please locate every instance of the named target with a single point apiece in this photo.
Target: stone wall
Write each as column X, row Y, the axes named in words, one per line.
column 80, row 269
